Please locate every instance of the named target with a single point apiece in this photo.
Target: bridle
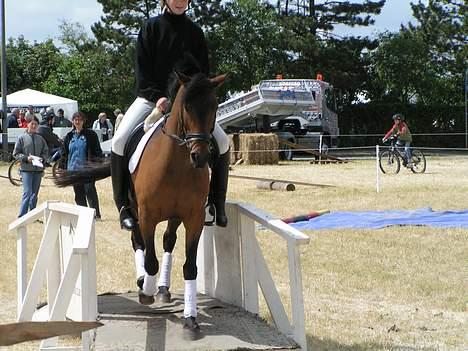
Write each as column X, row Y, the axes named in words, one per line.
column 187, row 139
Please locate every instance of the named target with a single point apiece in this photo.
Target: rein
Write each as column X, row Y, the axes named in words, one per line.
column 187, row 138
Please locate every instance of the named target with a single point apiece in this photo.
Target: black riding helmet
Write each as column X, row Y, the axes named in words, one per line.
column 398, row 116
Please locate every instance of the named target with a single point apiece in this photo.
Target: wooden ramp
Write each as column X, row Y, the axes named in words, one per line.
column 131, row 326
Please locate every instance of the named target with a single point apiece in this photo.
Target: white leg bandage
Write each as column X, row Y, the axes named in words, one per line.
column 139, row 263
column 190, row 298
column 165, row 272
column 149, row 285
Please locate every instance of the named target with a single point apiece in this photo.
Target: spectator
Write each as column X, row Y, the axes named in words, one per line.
column 32, row 150
column 105, row 125
column 60, row 120
column 12, row 120
column 22, row 122
column 46, row 131
column 81, row 145
column 118, row 117
column 29, row 116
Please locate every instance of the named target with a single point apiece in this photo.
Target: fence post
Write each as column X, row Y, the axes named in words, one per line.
column 377, row 168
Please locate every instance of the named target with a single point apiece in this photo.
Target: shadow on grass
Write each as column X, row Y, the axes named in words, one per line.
column 315, row 344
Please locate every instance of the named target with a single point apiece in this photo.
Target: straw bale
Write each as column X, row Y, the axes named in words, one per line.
column 259, row 148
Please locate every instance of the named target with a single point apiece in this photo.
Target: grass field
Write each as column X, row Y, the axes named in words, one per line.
column 398, row 288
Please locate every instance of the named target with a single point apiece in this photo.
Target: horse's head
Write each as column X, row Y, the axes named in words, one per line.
column 198, row 105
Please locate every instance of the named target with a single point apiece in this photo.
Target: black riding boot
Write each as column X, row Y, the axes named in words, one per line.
column 218, row 188
column 120, row 186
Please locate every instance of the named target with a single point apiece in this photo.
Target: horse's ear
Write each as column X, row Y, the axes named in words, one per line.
column 218, row 80
column 182, row 78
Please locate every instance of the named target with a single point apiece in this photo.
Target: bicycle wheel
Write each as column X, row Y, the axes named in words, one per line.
column 419, row 162
column 389, row 162
column 14, row 174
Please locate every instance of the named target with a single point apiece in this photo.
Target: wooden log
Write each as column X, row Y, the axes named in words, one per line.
column 272, row 185
column 15, row 333
column 280, row 180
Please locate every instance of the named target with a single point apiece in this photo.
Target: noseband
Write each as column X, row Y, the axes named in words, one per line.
column 187, row 139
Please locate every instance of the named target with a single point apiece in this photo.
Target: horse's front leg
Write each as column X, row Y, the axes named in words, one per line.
column 139, row 248
column 169, row 240
column 147, row 227
column 193, row 229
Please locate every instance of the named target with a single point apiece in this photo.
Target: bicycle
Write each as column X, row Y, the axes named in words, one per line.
column 390, row 160
column 14, row 173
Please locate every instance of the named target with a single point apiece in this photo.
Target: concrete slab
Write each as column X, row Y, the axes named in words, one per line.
column 131, row 326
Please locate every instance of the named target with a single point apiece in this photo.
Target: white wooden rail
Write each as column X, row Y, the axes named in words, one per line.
column 231, row 266
column 67, row 257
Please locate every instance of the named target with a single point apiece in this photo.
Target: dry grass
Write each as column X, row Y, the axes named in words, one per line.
column 399, row 288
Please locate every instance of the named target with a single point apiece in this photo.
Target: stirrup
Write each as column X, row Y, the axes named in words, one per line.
column 126, row 219
column 211, row 211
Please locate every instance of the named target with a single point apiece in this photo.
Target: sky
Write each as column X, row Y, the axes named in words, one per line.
column 38, row 20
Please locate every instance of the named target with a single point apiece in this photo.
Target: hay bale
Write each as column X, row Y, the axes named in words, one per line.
column 258, row 148
column 235, row 155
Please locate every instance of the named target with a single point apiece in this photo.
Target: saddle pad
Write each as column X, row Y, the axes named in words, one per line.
column 135, row 158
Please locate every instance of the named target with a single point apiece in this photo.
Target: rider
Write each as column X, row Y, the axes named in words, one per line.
column 401, row 131
column 162, row 43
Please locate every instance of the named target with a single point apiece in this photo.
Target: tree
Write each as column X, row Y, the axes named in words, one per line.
column 423, row 63
column 247, row 44
column 89, row 73
column 30, row 65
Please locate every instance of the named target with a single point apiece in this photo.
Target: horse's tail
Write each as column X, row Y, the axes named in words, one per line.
column 90, row 173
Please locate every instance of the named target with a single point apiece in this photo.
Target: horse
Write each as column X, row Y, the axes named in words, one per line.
column 171, row 182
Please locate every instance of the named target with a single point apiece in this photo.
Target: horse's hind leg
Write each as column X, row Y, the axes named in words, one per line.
column 169, row 240
column 139, row 249
column 147, row 227
column 193, row 230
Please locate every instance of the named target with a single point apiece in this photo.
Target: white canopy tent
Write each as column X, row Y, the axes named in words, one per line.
column 38, row 100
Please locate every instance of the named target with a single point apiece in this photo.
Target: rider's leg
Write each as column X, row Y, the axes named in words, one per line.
column 219, row 176
column 136, row 113
column 408, row 151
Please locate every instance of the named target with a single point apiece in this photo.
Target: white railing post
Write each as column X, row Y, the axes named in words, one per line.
column 377, row 168
column 21, row 259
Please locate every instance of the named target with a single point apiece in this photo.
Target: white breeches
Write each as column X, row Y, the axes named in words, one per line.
column 137, row 112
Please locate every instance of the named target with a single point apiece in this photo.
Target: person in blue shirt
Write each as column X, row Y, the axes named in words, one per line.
column 81, row 145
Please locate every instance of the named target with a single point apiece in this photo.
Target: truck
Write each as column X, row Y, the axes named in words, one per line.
column 300, row 111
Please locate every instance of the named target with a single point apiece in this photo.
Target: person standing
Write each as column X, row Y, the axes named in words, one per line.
column 105, row 125
column 60, row 121
column 12, row 120
column 118, row 117
column 81, row 145
column 32, row 150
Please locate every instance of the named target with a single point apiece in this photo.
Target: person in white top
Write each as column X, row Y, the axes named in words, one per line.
column 105, row 125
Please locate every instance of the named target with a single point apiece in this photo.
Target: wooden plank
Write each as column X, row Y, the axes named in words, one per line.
column 84, row 228
column 276, row 225
column 40, row 266
column 297, row 297
column 29, row 217
column 249, row 266
column 21, row 265
column 272, row 297
column 15, row 333
column 312, row 152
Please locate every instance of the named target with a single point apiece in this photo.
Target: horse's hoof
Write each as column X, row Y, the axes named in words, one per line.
column 140, row 282
column 191, row 329
column 163, row 295
column 145, row 299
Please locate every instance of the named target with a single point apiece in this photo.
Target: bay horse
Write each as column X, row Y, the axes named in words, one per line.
column 171, row 182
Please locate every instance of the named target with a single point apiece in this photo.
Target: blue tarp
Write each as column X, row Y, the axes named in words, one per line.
column 381, row 219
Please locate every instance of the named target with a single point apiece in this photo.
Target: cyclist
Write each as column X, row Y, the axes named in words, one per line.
column 401, row 131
